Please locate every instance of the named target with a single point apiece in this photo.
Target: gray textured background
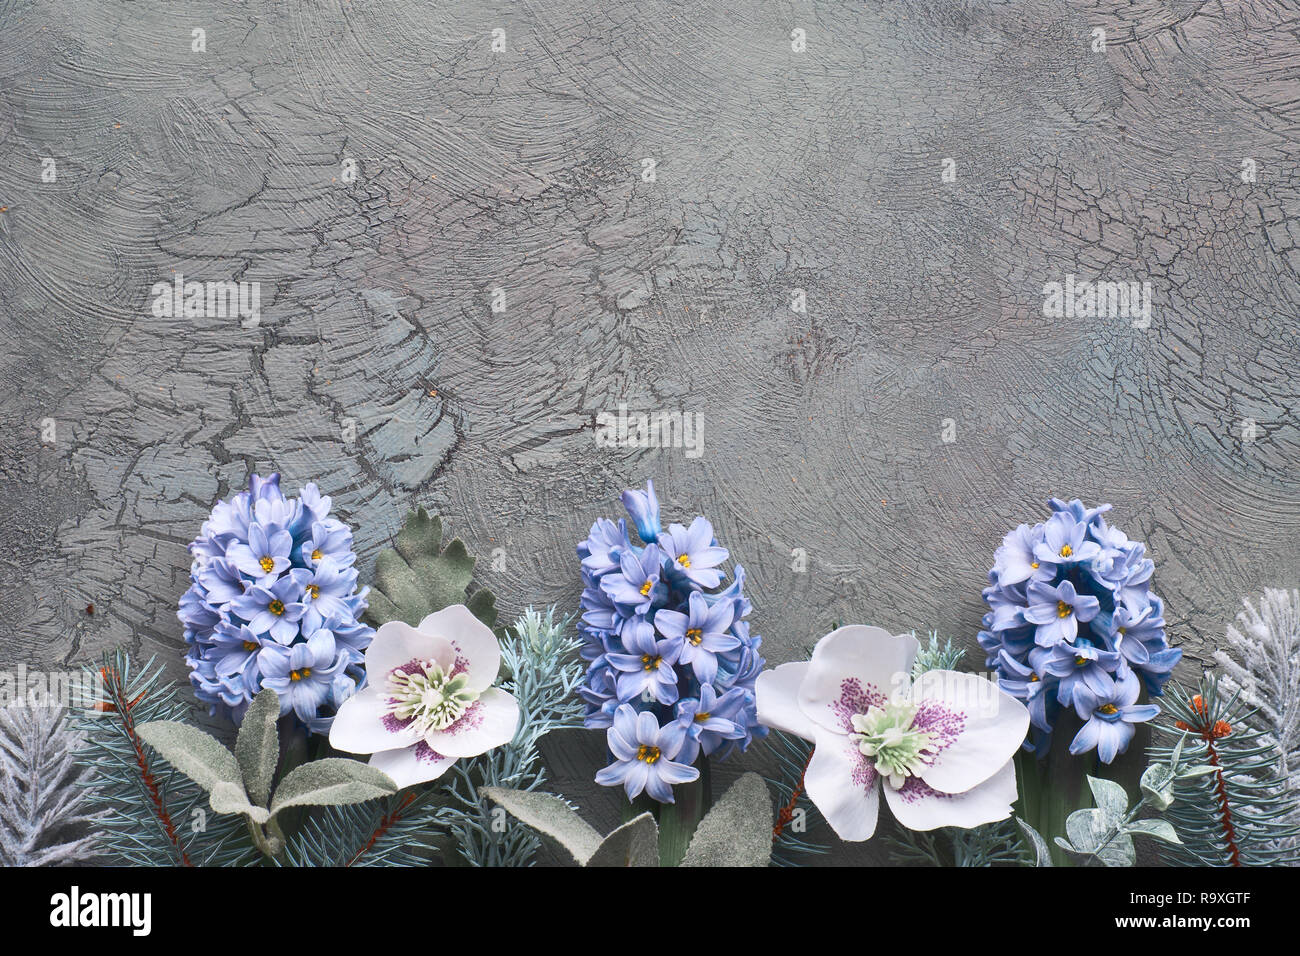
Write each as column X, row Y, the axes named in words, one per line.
column 775, row 170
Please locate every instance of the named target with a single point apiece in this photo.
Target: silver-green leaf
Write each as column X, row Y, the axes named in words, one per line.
column 1157, row 785
column 334, row 781
column 258, row 745
column 199, row 756
column 1160, row 829
column 635, row 843
column 738, row 830
column 1111, row 799
column 228, row 798
column 1042, row 854
column 550, row 816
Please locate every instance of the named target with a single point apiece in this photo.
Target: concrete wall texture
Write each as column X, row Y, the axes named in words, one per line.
column 469, row 244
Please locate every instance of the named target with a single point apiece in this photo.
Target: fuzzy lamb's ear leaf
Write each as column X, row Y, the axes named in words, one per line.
column 738, row 830
column 333, row 781
column 635, row 843
column 1042, row 854
column 199, row 756
column 227, row 798
column 418, row 576
column 258, row 745
column 551, row 816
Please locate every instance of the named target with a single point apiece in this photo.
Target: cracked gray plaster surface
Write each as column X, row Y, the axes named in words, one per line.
column 380, row 370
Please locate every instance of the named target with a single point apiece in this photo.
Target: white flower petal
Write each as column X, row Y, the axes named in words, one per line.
column 980, row 728
column 851, row 669
column 777, row 694
column 363, row 726
column 478, row 652
column 920, row 807
column 397, row 643
column 491, row 721
column 844, row 786
column 411, row 765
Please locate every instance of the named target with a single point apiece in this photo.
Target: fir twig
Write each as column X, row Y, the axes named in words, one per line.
column 47, row 815
column 543, row 674
column 1237, row 815
column 797, row 815
column 147, row 805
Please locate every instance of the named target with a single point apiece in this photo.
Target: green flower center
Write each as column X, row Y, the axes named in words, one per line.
column 886, row 735
column 429, row 698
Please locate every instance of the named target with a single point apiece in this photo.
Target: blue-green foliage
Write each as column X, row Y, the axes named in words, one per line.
column 542, row 671
column 1236, row 816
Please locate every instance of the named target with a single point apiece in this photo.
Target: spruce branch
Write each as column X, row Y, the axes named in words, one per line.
column 152, row 815
column 1261, row 662
column 1237, row 814
column 797, row 815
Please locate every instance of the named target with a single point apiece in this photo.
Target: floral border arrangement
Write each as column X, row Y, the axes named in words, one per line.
column 396, row 723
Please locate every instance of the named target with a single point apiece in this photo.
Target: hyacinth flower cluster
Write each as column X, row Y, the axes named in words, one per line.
column 273, row 602
column 672, row 663
column 1073, row 624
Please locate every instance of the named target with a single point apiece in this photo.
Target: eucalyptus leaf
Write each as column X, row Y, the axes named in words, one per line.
column 1087, row 829
column 258, row 745
column 635, row 843
column 418, row 576
column 199, row 756
column 1111, row 799
column 738, row 830
column 1160, row 829
column 1042, row 854
column 1157, row 785
column 333, row 781
column 552, row 817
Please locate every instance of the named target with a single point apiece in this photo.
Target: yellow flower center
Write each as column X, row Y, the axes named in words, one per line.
column 300, row 675
column 1081, row 662
column 645, row 588
column 1063, row 609
column 250, row 645
column 1123, row 631
column 1108, row 709
column 314, row 591
column 1032, row 678
column 276, row 607
column 1034, row 565
column 650, row 663
column 695, row 635
column 267, row 563
column 648, row 754
column 684, row 560
column 1066, row 551
column 702, row 716
column 316, row 555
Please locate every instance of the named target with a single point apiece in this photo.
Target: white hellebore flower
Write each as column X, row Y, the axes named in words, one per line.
column 942, row 747
column 429, row 698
